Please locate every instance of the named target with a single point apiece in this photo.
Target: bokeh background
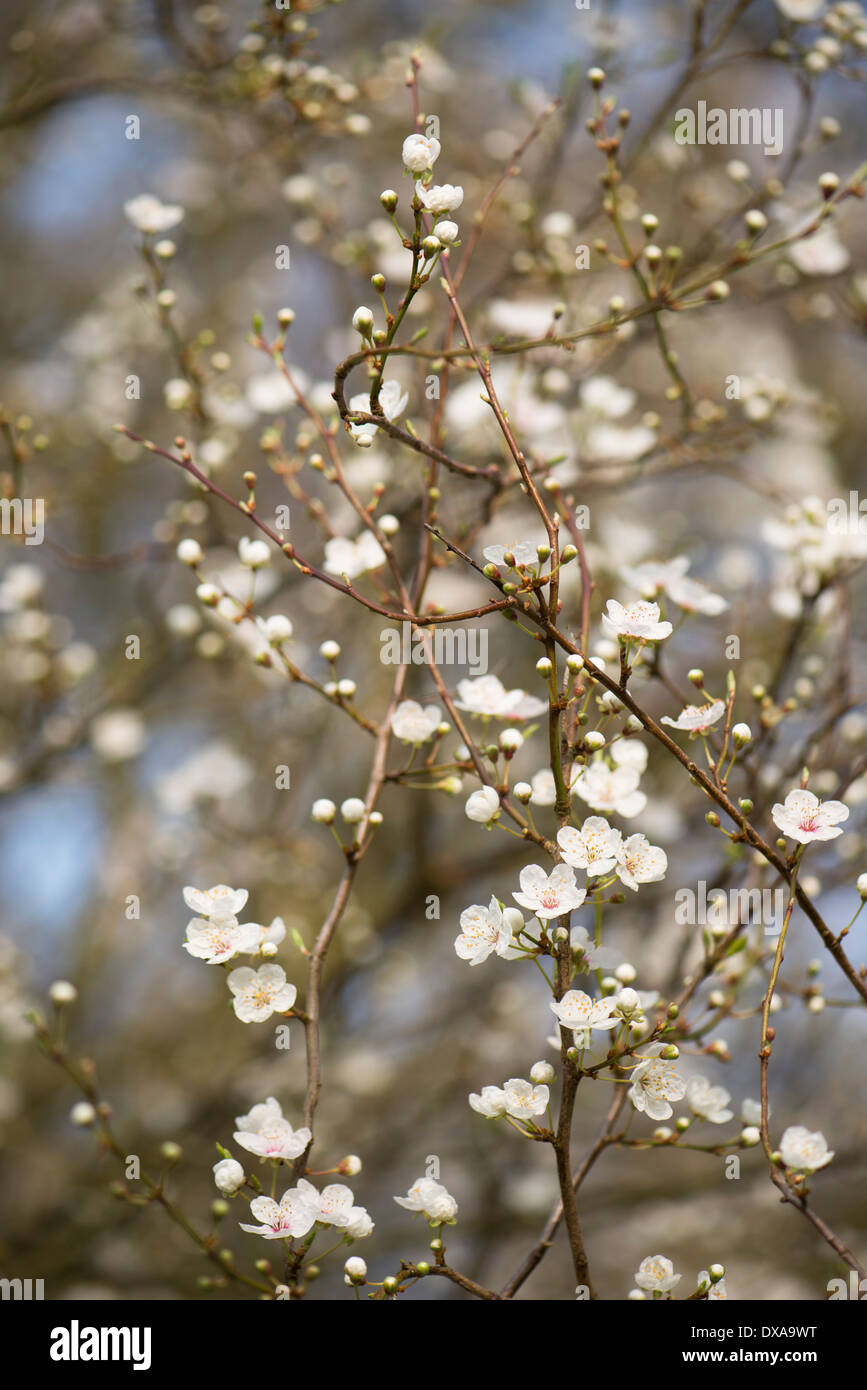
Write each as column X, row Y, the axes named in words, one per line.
column 135, row 777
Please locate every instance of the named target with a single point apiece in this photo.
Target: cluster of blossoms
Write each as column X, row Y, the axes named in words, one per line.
column 216, row 936
column 434, row 1201
column 523, row 1100
column 656, row 1277
column 302, row 1207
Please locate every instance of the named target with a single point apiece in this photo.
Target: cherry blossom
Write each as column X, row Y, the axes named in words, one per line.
column 640, row 862
column 640, row 620
column 215, row 942
column 260, row 993
column 218, row 903
column 352, row 558
column 549, row 895
column 491, row 1103
column 487, row 929
column 290, row 1217
column 628, row 752
column 708, row 1101
column 420, row 153
column 655, row 1082
column 483, row 805
column 697, row 719
column 487, row 697
column 544, row 789
column 335, row 1206
column 147, row 214
column 805, row 818
column 670, row 577
column 441, row 197
column 415, row 723
column 431, row 1198
column 265, row 1132
column 594, row 847
column 614, row 790
column 524, row 1100
column 577, row 1010
column 656, row 1275
column 803, row 1151
column 393, row 401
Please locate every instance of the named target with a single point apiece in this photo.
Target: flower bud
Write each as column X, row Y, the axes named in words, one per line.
column 742, row 735
column 228, row 1176
column 62, row 992
column 362, row 321
column 355, row 1270
column 542, row 1073
column 82, row 1113
column 189, row 552
column 324, row 811
column 388, row 198
column 352, row 810
column 544, row 666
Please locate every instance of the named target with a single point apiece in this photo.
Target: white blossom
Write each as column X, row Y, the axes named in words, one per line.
column 420, row 153
column 260, row 993
column 639, row 619
column 803, row 1151
column 800, row 11
column 290, row 1217
column 487, row 929
column 487, row 697
column 805, row 818
column 640, row 862
column 432, row 1198
column 614, row 790
column 415, row 723
column 655, row 1082
column 148, row 214
column 524, row 1100
column 549, row 895
column 219, row 903
column 594, row 847
column 697, row 719
column 441, row 197
column 447, row 231
column 215, row 942
column 577, row 1010
column 352, row 558
column 708, row 1101
column 253, row 554
column 491, row 1103
column 656, row 1275
column 117, row 735
column 265, row 1132
column 335, row 1206
column 393, row 401
column 483, row 805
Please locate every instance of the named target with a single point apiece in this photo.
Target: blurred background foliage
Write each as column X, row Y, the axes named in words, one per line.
column 275, row 129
